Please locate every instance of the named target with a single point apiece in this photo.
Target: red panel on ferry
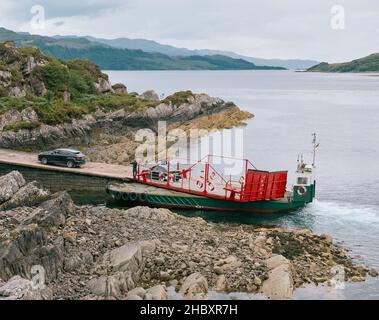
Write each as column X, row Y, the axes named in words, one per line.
column 276, row 186
column 256, row 182
column 270, row 186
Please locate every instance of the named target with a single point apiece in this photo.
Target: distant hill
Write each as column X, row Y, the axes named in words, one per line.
column 24, row 38
column 111, row 58
column 153, row 46
column 366, row 64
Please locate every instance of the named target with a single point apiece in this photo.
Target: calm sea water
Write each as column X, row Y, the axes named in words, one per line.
column 288, row 106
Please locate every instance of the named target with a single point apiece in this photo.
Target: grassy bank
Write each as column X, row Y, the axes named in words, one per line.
column 56, row 111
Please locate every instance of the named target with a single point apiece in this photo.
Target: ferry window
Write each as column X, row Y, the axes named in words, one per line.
column 302, row 180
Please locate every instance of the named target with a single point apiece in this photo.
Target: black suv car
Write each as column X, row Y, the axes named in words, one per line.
column 68, row 157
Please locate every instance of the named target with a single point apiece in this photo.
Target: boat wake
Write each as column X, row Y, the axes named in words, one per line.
column 343, row 212
column 355, row 226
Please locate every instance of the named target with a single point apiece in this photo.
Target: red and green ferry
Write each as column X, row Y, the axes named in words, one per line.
column 200, row 186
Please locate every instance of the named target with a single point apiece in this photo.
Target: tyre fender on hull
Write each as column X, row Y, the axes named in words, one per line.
column 133, row 196
column 143, row 197
column 125, row 196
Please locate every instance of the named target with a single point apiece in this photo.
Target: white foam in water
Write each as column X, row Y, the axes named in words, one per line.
column 344, row 211
column 356, row 225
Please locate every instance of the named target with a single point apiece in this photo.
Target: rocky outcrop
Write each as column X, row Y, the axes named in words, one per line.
column 28, row 114
column 17, row 77
column 10, row 184
column 22, row 73
column 149, row 95
column 54, row 212
column 16, row 92
column 28, row 246
column 101, row 253
column 25, row 237
column 77, row 132
column 38, row 87
column 30, row 63
column 13, row 116
column 86, row 130
column 158, row 292
column 119, row 88
column 125, row 258
column 152, row 214
column 225, row 265
column 279, row 285
column 5, row 78
column 126, row 265
column 98, row 286
column 9, row 117
column 161, row 111
column 136, row 294
column 18, row 288
column 28, row 195
column 195, row 287
column 221, row 284
column 103, row 85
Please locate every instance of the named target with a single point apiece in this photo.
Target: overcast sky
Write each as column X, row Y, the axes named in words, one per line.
column 258, row 28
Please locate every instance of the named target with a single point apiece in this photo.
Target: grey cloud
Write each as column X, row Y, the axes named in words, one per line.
column 265, row 28
column 64, row 8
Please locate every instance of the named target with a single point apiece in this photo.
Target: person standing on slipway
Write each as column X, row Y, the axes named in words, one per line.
column 134, row 164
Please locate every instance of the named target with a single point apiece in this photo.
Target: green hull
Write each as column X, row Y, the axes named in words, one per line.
column 134, row 194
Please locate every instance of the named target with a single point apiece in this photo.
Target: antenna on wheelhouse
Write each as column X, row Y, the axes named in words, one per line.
column 315, row 146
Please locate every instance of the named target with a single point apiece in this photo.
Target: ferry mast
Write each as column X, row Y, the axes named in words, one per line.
column 315, row 146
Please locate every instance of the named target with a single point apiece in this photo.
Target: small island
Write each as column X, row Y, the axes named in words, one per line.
column 366, row 64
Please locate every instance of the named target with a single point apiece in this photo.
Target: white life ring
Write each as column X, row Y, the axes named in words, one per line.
column 200, row 184
column 302, row 191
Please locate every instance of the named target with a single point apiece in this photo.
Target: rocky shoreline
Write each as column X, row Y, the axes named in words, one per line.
column 114, row 131
column 47, row 103
column 91, row 252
